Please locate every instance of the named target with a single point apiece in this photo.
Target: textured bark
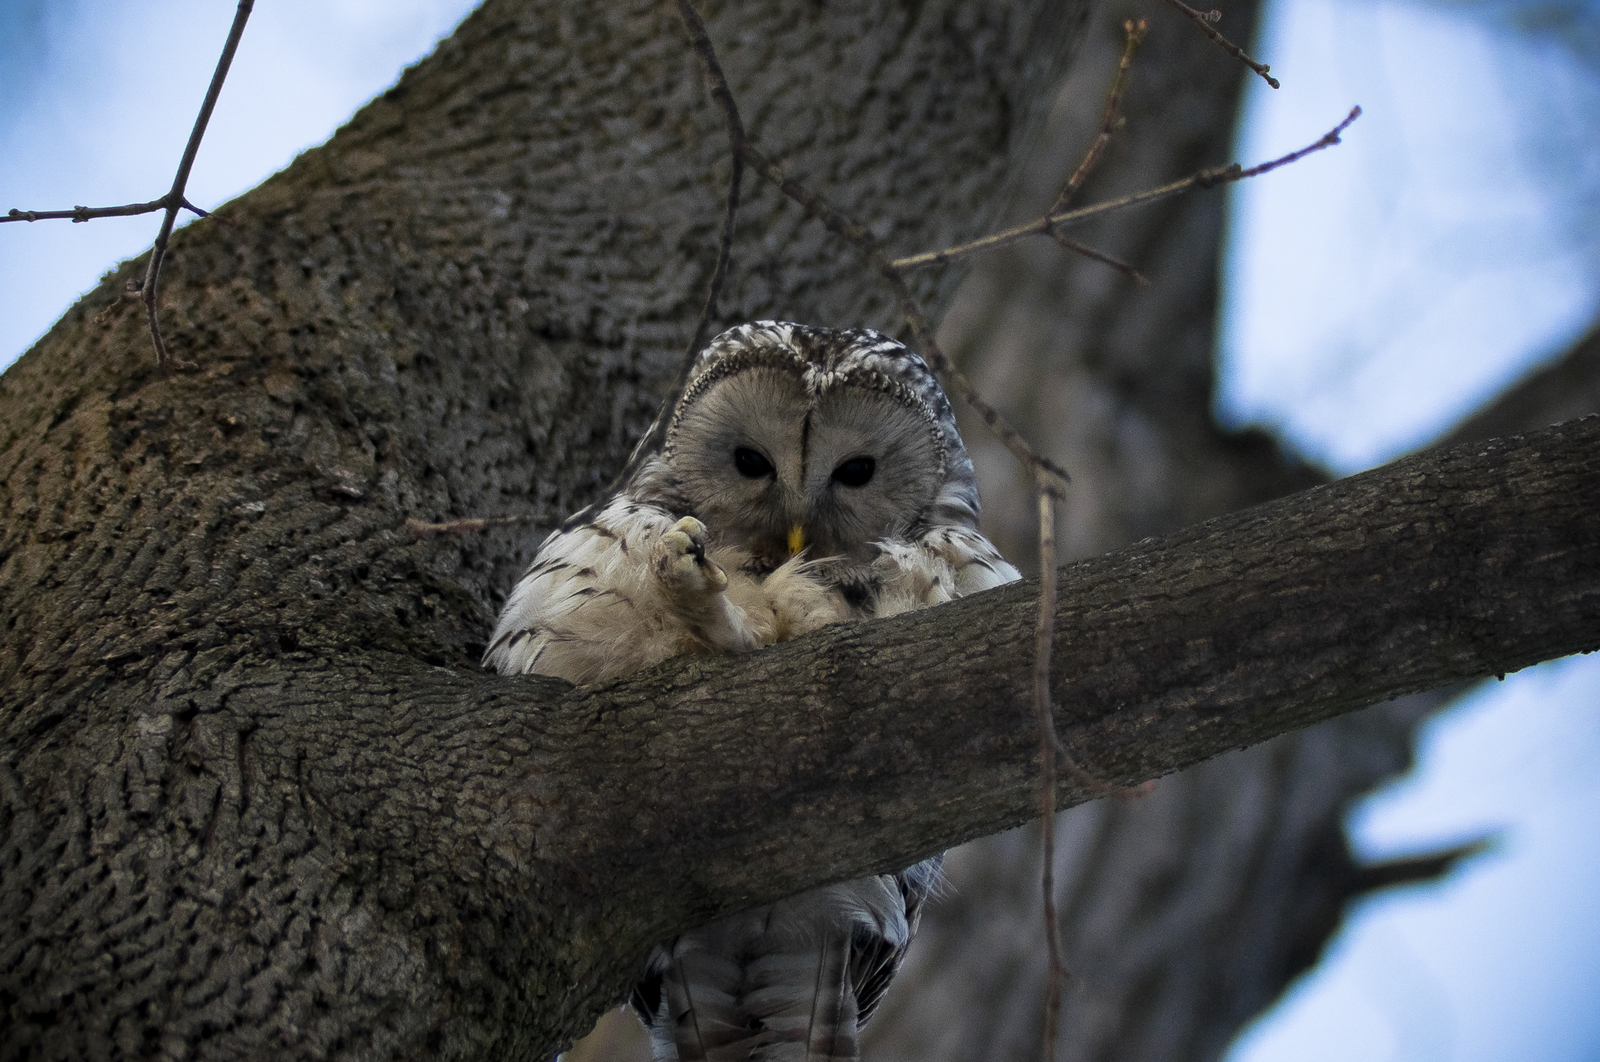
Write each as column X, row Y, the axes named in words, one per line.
column 372, row 844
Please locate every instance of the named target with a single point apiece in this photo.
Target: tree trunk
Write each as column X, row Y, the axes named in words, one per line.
column 466, row 304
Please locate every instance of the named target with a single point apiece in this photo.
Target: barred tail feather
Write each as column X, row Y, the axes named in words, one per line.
column 791, row 982
column 703, row 1018
column 809, row 1011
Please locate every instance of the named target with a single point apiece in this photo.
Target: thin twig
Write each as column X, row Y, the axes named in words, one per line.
column 1204, row 19
column 1109, row 122
column 175, row 200
column 1330, row 138
column 80, row 214
column 1133, row 33
column 456, row 527
column 1205, row 178
column 1209, row 178
column 1049, row 750
column 723, row 97
column 1104, row 259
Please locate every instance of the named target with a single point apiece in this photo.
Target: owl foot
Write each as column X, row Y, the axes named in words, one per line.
column 695, row 588
column 680, row 563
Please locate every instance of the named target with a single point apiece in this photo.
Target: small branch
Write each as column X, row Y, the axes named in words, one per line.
column 1209, row 178
column 1422, row 869
column 1104, row 259
column 457, row 527
column 1109, row 122
column 1049, row 750
column 723, row 97
column 172, row 202
column 80, row 214
column 180, row 181
column 1204, row 21
column 1330, row 138
column 1133, row 34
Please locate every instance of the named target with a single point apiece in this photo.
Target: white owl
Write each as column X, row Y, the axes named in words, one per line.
column 805, row 476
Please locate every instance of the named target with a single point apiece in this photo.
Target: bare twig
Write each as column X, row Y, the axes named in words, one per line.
column 1104, row 259
column 1204, row 19
column 175, row 200
column 172, row 202
column 1330, row 138
column 1209, row 178
column 1133, row 33
column 1109, row 122
column 723, row 97
column 1049, row 750
column 80, row 214
column 456, row 527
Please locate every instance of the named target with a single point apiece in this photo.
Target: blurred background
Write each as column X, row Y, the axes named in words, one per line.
column 1359, row 305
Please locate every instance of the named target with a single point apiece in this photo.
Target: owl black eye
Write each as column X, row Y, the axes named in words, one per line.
column 855, row 472
column 751, row 464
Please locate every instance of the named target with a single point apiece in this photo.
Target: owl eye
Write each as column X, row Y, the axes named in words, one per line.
column 855, row 472
column 751, row 464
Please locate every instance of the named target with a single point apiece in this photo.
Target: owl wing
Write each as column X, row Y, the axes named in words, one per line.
column 875, row 960
column 942, row 564
column 580, row 609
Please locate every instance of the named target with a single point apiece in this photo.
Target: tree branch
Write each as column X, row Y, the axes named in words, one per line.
column 1204, row 19
column 875, row 743
column 1052, row 222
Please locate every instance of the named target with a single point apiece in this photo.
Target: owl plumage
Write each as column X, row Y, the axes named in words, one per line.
column 805, row 476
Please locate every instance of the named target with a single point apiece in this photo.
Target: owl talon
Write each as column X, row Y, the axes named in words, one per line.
column 680, row 562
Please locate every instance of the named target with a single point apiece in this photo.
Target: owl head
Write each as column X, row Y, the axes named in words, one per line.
column 789, row 437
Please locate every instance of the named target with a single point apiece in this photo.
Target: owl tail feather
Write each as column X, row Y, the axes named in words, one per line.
column 706, row 1021
column 792, row 1006
column 815, row 1025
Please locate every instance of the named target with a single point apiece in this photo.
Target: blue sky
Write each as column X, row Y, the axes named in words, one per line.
column 1377, row 292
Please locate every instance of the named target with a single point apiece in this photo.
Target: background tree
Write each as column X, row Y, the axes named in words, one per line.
column 465, row 305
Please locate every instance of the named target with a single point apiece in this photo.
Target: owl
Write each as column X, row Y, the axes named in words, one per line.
column 805, row 476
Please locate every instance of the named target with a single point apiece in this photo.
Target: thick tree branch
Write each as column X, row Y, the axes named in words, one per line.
column 874, row 743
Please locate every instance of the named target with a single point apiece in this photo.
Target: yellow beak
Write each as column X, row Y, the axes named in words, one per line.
column 797, row 540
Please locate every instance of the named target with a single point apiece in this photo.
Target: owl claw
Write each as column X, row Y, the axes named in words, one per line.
column 680, row 562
